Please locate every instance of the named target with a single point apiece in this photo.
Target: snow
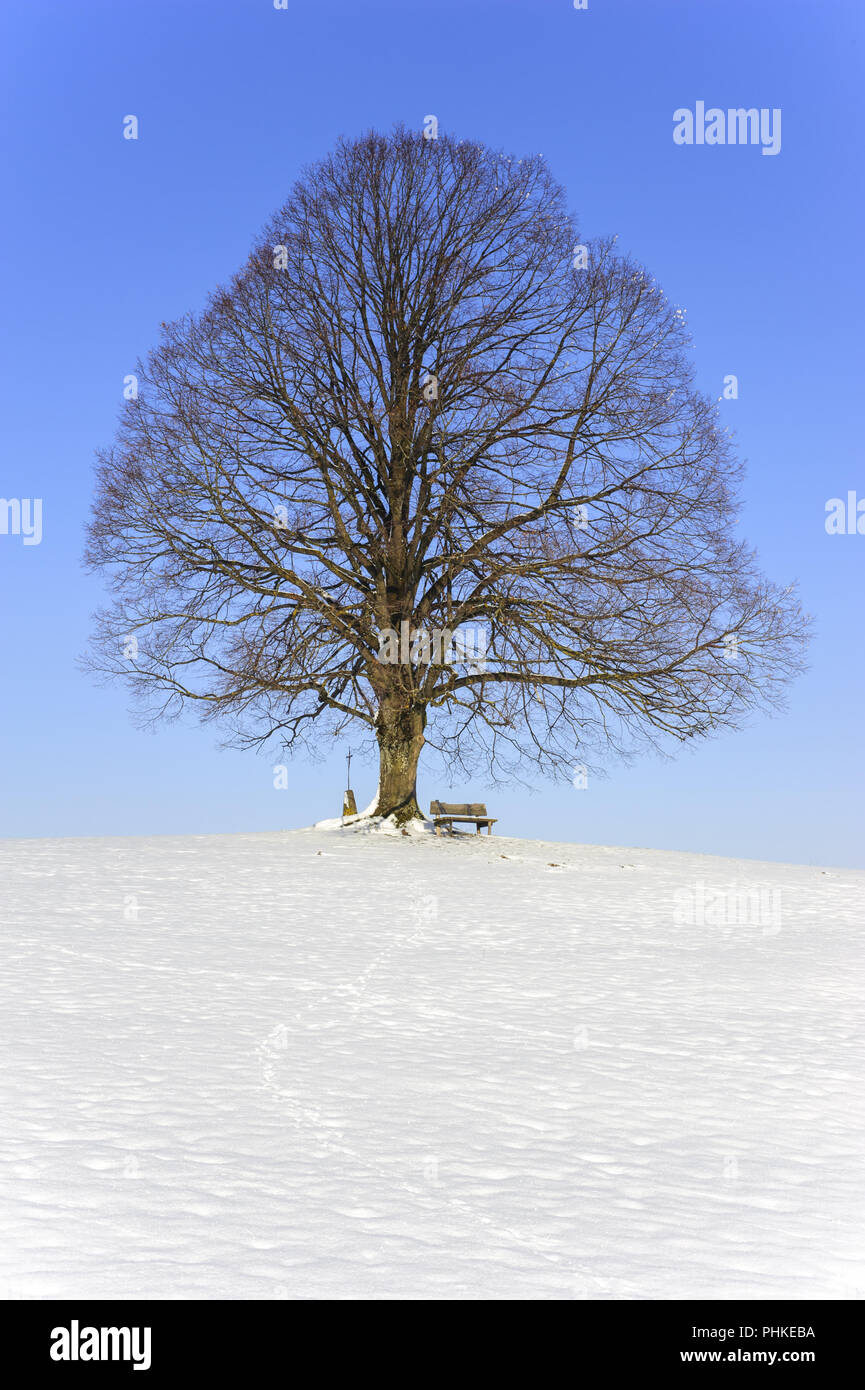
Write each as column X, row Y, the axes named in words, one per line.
column 326, row 1063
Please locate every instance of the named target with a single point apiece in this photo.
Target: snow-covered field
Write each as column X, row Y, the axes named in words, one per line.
column 330, row 1064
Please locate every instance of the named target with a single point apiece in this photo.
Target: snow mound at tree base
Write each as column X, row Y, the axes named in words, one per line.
column 320, row 1064
column 365, row 824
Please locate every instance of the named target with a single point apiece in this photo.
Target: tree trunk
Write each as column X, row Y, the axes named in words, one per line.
column 400, row 739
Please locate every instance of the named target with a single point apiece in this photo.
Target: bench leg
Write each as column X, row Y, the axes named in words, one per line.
column 489, row 830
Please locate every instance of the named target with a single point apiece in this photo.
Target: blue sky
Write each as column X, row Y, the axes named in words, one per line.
column 103, row 238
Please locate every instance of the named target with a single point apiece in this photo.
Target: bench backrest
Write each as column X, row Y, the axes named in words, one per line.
column 454, row 808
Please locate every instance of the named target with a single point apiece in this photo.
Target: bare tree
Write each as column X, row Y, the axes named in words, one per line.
column 421, row 406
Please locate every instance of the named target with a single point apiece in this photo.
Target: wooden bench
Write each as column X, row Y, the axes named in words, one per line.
column 445, row 813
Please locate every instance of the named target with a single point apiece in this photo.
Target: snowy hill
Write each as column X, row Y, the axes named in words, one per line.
column 324, row 1063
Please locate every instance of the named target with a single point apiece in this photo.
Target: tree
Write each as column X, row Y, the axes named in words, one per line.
column 422, row 407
